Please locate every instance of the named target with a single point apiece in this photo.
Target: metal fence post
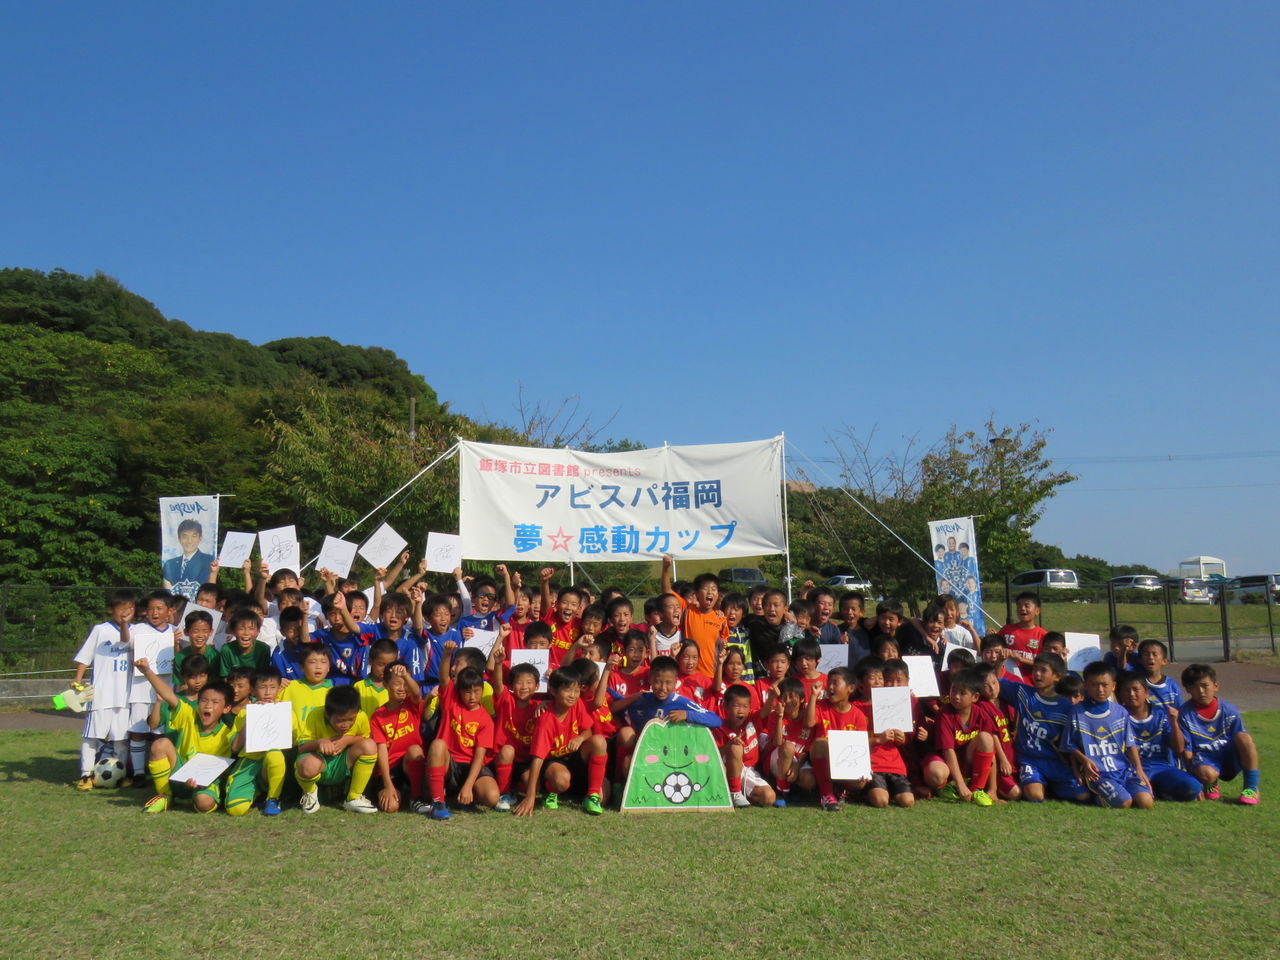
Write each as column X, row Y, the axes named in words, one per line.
column 4, row 611
column 1008, row 599
column 1269, row 599
column 1111, row 604
column 1168, row 616
column 1223, row 602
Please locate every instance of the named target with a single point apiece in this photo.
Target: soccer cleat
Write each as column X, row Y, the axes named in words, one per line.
column 309, row 802
column 85, row 782
column 780, row 801
column 1212, row 793
column 140, row 782
column 504, row 803
column 421, row 806
column 979, row 798
column 591, row 804
column 440, row 810
column 271, row 808
column 739, row 799
column 158, row 804
column 551, row 801
column 1249, row 797
column 359, row 805
column 829, row 803
column 948, row 792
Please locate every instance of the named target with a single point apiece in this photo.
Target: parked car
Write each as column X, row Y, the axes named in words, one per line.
column 743, row 577
column 1047, row 579
column 1135, row 582
column 1190, row 589
column 848, row 581
column 1258, row 584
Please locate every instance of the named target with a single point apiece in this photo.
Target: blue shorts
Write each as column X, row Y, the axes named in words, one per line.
column 1170, row 783
column 1117, row 791
column 1054, row 774
column 1226, row 762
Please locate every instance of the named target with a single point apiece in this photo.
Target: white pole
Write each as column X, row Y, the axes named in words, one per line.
column 571, row 583
column 412, row 481
column 786, row 517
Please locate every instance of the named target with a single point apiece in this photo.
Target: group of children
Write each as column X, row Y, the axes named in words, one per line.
column 423, row 704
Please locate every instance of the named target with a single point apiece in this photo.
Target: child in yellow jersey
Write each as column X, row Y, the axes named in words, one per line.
column 335, row 748
column 262, row 768
column 200, row 730
column 308, row 694
column 372, row 689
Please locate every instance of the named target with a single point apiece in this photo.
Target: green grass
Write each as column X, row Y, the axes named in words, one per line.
column 87, row 875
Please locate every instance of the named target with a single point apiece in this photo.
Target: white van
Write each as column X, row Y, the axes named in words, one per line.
column 1047, row 580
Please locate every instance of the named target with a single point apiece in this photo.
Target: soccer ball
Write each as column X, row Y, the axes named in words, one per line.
column 677, row 788
column 108, row 772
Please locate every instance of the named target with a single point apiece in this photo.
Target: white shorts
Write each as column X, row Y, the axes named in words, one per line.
column 751, row 779
column 138, row 714
column 108, row 723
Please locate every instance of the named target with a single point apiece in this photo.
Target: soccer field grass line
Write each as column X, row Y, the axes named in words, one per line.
column 83, row 871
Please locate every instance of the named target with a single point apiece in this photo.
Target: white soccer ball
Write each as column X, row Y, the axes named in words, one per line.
column 677, row 788
column 108, row 772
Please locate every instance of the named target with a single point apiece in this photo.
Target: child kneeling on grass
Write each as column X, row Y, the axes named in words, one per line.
column 464, row 740
column 564, row 743
column 200, row 730
column 1101, row 743
column 1217, row 744
column 336, row 748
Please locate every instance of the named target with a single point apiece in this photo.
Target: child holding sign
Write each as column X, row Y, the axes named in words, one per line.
column 889, row 780
column 836, row 712
column 263, row 768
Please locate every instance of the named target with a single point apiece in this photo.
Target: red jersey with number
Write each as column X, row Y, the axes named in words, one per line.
column 748, row 735
column 399, row 729
column 1003, row 717
column 463, row 730
column 514, row 725
column 629, row 684
column 695, row 686
column 563, row 636
column 551, row 734
column 1024, row 640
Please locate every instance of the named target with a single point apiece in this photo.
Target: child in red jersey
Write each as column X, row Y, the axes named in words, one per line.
column 731, row 669
column 964, row 746
column 622, row 629
column 993, row 651
column 777, row 664
column 694, row 685
column 739, row 742
column 562, row 616
column 1022, row 639
column 565, row 745
column 513, row 734
column 889, row 750
column 396, row 729
column 790, row 740
column 805, row 656
column 1004, row 717
column 464, row 740
column 836, row 712
column 631, row 676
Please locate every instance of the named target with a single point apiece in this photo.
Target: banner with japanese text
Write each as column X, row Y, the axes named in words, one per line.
column 716, row 500
column 955, row 564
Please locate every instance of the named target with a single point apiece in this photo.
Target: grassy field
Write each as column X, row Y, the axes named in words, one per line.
column 86, row 875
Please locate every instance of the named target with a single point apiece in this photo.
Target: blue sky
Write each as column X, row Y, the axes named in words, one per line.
column 720, row 221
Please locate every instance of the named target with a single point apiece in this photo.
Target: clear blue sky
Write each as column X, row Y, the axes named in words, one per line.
column 720, row 220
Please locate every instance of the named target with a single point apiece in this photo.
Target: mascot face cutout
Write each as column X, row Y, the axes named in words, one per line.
column 676, row 766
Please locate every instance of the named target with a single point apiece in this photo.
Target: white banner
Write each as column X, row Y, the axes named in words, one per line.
column 188, row 542
column 954, row 544
column 716, row 500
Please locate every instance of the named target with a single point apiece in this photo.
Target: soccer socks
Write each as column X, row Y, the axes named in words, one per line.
column 982, row 761
column 360, row 774
column 89, row 748
column 503, row 770
column 735, row 784
column 159, row 771
column 137, row 757
column 308, row 784
column 595, row 773
column 273, row 764
column 822, row 773
column 1250, row 780
column 435, row 784
column 416, row 770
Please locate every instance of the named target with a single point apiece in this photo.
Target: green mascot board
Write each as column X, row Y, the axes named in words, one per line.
column 676, row 766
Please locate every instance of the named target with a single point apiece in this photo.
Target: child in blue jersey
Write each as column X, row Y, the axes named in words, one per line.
column 1154, row 657
column 394, row 616
column 481, row 609
column 437, row 630
column 287, row 656
column 1123, row 654
column 1217, row 744
column 347, row 646
column 1100, row 738
column 659, row 701
column 1159, row 740
column 1043, row 715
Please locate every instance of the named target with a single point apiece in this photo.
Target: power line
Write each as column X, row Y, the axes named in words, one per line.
column 1204, row 486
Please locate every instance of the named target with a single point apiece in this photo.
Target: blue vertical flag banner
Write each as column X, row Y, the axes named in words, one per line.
column 955, row 564
column 188, row 542
column 695, row 502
